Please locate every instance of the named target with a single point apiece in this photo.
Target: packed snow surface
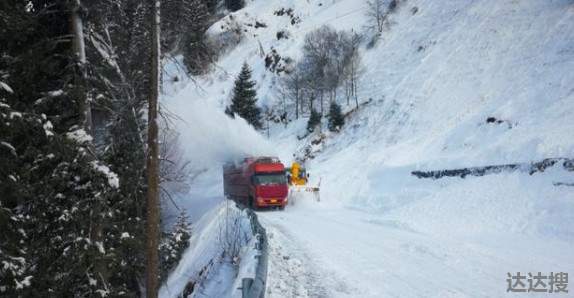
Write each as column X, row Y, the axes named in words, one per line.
column 435, row 77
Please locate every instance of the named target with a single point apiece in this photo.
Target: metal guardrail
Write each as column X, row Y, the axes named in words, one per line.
column 255, row 287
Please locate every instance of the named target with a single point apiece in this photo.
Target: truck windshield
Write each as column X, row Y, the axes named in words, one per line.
column 265, row 179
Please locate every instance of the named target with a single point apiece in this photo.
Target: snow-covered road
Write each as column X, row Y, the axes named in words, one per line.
column 337, row 252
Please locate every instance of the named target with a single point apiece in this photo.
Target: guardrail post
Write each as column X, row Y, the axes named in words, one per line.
column 246, row 286
column 255, row 287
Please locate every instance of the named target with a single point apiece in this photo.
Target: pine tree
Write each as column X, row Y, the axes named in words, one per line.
column 234, row 5
column 50, row 182
column 244, row 99
column 183, row 23
column 119, row 83
column 67, row 227
column 174, row 244
column 211, row 5
column 314, row 120
column 336, row 118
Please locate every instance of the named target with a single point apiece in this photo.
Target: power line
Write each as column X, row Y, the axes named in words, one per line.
column 342, row 16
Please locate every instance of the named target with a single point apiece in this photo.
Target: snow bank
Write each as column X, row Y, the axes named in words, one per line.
column 207, row 262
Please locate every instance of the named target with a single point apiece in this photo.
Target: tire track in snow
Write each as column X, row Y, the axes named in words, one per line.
column 292, row 273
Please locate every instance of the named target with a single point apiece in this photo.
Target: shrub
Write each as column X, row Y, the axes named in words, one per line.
column 336, row 118
column 314, row 120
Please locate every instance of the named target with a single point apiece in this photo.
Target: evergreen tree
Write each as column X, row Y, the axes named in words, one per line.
column 336, row 118
column 314, row 120
column 120, row 84
column 244, row 101
column 55, row 195
column 234, row 5
column 71, row 198
column 211, row 5
column 183, row 23
column 71, row 216
column 229, row 113
column 174, row 244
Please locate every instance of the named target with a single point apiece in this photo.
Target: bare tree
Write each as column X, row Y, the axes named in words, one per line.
column 152, row 225
column 330, row 59
column 175, row 170
column 232, row 233
column 317, row 50
column 354, row 68
column 376, row 13
column 293, row 85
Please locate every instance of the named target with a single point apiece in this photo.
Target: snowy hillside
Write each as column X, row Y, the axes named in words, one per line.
column 430, row 85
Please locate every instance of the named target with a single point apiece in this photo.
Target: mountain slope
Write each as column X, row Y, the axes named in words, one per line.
column 455, row 84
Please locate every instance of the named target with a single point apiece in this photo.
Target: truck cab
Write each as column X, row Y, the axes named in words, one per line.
column 257, row 182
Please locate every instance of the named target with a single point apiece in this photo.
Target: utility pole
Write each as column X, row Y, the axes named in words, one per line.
column 152, row 225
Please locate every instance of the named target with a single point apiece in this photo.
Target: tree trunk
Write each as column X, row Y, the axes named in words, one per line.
column 347, row 91
column 297, row 105
column 355, row 95
column 321, row 98
column 80, row 53
column 152, row 225
column 85, row 121
column 355, row 92
column 311, row 99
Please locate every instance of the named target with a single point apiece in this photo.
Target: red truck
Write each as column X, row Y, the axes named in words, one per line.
column 256, row 182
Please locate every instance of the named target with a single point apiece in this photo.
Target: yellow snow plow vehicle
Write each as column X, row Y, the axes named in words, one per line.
column 297, row 175
column 298, row 180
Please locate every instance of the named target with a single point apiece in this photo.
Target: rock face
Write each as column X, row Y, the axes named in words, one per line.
column 531, row 168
